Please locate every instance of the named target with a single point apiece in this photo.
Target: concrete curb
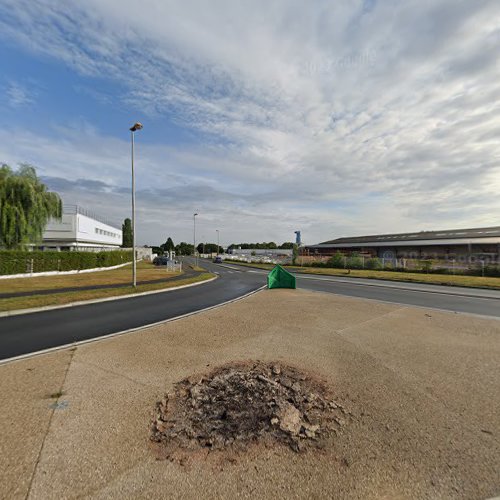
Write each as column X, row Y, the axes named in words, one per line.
column 131, row 330
column 95, row 301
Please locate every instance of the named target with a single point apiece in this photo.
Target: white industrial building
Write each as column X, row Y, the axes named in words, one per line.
column 82, row 230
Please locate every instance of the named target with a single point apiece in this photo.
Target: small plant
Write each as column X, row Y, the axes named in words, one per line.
column 336, row 261
column 354, row 261
column 373, row 263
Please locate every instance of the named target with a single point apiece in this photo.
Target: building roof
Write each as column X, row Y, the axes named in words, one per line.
column 420, row 237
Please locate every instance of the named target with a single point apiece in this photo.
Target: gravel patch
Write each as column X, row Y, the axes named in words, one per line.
column 241, row 404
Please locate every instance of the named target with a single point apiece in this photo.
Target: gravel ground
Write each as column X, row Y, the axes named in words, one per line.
column 422, row 388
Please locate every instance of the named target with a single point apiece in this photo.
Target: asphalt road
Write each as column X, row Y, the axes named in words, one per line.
column 33, row 332
column 457, row 299
column 37, row 331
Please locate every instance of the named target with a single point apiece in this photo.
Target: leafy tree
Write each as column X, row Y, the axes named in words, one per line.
column 288, row 245
column 127, row 238
column 184, row 248
column 168, row 246
column 25, row 206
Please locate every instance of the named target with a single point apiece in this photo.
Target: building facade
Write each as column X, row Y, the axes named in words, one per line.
column 80, row 229
column 466, row 245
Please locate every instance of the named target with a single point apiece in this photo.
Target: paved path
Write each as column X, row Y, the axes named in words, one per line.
column 420, row 385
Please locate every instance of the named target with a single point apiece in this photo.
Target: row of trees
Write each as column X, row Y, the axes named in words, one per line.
column 184, row 248
column 25, row 206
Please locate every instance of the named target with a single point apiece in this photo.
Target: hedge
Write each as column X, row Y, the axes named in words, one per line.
column 19, row 262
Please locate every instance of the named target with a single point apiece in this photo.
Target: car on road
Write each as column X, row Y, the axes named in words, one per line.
column 218, row 260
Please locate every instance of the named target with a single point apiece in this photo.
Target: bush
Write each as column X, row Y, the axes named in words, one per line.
column 373, row 263
column 354, row 262
column 336, row 261
column 19, row 262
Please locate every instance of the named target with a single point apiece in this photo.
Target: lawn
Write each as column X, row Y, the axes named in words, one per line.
column 68, row 297
column 145, row 272
column 435, row 279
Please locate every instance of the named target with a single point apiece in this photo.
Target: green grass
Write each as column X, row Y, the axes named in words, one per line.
column 145, row 272
column 55, row 299
column 435, row 279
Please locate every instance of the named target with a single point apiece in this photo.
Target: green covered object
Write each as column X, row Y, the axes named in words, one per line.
column 280, row 278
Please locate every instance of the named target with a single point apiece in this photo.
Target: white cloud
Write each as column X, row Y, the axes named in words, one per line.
column 18, row 95
column 336, row 117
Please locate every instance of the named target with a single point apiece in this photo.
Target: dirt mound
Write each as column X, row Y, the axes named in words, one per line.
column 239, row 404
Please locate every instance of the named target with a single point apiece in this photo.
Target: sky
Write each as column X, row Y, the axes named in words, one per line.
column 335, row 118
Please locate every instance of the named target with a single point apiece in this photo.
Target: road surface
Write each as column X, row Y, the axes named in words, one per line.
column 29, row 333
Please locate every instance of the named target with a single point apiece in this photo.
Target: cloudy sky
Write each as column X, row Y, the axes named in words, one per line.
column 335, row 117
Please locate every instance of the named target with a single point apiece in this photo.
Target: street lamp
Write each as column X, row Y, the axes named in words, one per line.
column 134, row 128
column 194, row 238
column 217, row 231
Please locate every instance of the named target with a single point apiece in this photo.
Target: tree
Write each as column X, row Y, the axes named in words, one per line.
column 168, row 246
column 184, row 248
column 295, row 253
column 25, row 206
column 288, row 245
column 127, row 235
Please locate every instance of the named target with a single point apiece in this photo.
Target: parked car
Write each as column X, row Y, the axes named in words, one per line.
column 218, row 259
column 162, row 260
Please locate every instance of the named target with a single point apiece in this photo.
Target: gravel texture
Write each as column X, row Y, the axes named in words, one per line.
column 240, row 404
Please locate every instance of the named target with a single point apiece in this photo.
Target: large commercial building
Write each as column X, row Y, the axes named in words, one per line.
column 80, row 229
column 466, row 245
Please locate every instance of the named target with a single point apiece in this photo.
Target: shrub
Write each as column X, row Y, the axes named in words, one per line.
column 19, row 262
column 336, row 261
column 354, row 262
column 373, row 263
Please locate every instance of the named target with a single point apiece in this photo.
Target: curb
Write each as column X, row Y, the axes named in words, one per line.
column 130, row 330
column 18, row 312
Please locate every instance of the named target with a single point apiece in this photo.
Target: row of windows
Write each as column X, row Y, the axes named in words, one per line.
column 106, row 233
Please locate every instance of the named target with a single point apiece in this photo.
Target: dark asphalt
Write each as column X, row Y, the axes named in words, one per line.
column 33, row 332
column 27, row 333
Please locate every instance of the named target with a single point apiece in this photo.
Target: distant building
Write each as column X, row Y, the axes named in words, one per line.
column 467, row 245
column 263, row 252
column 80, row 229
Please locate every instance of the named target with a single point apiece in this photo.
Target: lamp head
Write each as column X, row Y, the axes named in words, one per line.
column 136, row 126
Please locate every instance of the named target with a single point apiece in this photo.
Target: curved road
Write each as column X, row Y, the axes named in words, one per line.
column 33, row 332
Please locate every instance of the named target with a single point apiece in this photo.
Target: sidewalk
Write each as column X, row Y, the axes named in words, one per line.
column 422, row 387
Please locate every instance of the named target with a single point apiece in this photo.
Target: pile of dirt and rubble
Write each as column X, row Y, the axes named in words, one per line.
column 239, row 404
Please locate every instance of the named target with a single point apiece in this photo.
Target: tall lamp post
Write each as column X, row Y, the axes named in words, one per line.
column 133, row 129
column 194, row 238
column 218, row 246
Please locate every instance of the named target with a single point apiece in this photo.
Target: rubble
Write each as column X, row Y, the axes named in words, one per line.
column 240, row 404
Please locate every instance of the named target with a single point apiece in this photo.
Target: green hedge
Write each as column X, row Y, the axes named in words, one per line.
column 18, row 262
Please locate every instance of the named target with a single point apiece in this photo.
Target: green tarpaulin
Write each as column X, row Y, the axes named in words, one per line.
column 280, row 278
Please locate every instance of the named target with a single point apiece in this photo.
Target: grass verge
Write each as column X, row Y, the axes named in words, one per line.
column 68, row 297
column 145, row 272
column 434, row 279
